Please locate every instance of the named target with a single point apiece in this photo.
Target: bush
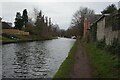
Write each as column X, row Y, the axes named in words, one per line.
column 101, row 44
column 104, row 65
column 114, row 47
column 7, row 35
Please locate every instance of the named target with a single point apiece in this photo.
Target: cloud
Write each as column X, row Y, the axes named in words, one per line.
column 60, row 12
column 59, row 0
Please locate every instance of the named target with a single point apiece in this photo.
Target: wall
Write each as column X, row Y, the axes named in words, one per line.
column 110, row 35
column 101, row 29
column 106, row 32
column 14, row 31
column 93, row 32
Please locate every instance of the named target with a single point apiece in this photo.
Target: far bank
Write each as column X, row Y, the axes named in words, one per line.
column 22, row 38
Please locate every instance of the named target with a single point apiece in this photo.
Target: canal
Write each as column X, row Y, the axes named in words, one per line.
column 38, row 59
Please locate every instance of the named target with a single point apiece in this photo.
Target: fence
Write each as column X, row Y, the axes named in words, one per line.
column 14, row 31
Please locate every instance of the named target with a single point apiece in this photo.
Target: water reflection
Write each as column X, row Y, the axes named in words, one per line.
column 0, row 61
column 39, row 59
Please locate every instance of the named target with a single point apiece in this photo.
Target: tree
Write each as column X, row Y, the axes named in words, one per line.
column 78, row 19
column 109, row 9
column 18, row 21
column 43, row 26
column 40, row 24
column 35, row 13
column 25, row 17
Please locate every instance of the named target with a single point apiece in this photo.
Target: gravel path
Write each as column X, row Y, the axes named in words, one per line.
column 81, row 68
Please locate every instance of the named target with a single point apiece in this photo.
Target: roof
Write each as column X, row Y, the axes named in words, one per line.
column 6, row 26
column 102, row 17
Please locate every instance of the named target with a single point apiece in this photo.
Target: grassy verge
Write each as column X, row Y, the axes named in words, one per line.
column 105, row 65
column 7, row 38
column 65, row 68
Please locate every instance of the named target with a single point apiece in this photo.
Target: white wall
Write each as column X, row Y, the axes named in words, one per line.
column 110, row 35
column 106, row 32
column 100, row 29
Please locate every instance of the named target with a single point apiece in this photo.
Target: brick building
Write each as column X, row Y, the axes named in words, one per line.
column 86, row 29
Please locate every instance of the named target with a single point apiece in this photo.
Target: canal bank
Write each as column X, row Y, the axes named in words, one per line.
column 76, row 65
column 16, row 38
column 65, row 68
column 28, row 40
column 85, row 60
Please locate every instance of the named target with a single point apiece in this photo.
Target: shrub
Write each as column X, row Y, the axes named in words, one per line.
column 114, row 47
column 101, row 44
column 7, row 35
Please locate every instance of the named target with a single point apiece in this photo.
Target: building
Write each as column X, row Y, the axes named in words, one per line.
column 6, row 28
column 90, row 18
column 7, row 25
column 101, row 27
column 86, row 29
column 108, row 28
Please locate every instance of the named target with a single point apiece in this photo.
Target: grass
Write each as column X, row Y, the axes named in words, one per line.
column 33, row 37
column 2, row 38
column 105, row 65
column 18, row 36
column 65, row 68
column 7, row 38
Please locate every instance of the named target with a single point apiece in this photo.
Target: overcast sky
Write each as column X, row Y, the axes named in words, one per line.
column 60, row 12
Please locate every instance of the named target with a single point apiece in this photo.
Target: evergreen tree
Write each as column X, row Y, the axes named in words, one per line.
column 25, row 17
column 109, row 9
column 39, row 24
column 18, row 21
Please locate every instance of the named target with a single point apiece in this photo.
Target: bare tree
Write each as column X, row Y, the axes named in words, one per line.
column 78, row 19
column 35, row 13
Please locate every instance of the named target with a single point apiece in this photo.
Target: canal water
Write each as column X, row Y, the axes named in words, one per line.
column 39, row 59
